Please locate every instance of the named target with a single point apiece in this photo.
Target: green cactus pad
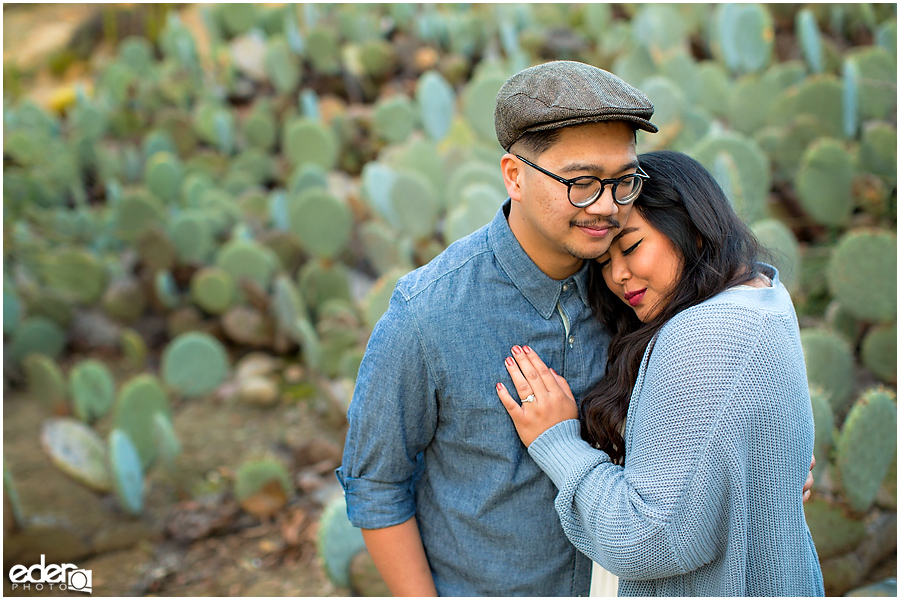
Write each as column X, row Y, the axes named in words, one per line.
column 471, row 172
column 322, row 222
column 260, row 128
column 394, row 119
column 750, row 101
column 338, row 542
column 39, row 335
column 52, row 307
column 878, row 151
column 415, row 201
column 823, row 418
column 192, row 236
column 877, row 81
column 819, row 96
column 92, row 388
column 308, row 141
column 421, row 156
column 127, row 473
column 824, row 182
column 163, row 174
column 213, row 289
column 378, row 297
column 245, row 259
column 319, row 281
column 11, row 496
column 436, row 103
column 832, row 530
column 324, row 50
column 194, row 364
column 478, row 206
column 168, row 445
column 166, row 289
column 12, row 312
column 478, row 100
column 124, row 300
column 843, row 323
column 307, row 176
column 862, row 274
column 829, row 365
column 380, row 247
column 715, row 87
column 75, row 274
column 750, row 191
column 133, row 347
column 784, row 251
column 810, row 39
column 866, row 447
column 46, row 382
column 155, row 249
column 743, row 36
column 879, row 352
column 252, row 476
column 135, row 212
column 288, row 306
column 310, row 344
column 282, row 66
column 139, row 399
column 77, row 450
column 193, row 185
column 157, row 140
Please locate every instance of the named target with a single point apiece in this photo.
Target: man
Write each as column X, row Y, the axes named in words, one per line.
column 448, row 499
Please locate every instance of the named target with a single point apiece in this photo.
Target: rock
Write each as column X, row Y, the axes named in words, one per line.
column 95, row 329
column 249, row 53
column 261, row 391
column 256, row 364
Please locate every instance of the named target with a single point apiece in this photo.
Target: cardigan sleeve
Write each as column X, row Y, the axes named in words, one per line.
column 663, row 513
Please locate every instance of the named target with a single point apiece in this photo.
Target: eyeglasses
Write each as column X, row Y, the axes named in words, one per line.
column 585, row 190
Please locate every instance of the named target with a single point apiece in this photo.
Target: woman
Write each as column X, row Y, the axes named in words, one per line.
column 698, row 441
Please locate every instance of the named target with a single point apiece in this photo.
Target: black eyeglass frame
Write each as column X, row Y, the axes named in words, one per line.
column 603, row 182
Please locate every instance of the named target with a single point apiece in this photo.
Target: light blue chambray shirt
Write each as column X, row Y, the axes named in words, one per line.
column 429, row 437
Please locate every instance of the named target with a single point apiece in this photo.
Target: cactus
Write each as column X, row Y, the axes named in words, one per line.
column 238, row 17
column 282, row 66
column 260, row 128
column 436, row 102
column 155, row 249
column 75, row 274
column 477, row 207
column 136, row 53
column 319, row 281
column 321, row 222
column 162, row 174
column 381, row 248
column 862, row 274
column 378, row 58
column 671, row 104
column 323, row 50
column 866, row 447
column 48, row 304
column 338, row 542
column 124, row 300
column 877, row 82
column 92, row 388
column 167, row 443
column 843, row 323
column 378, row 297
column 833, row 532
column 135, row 212
column 157, row 140
column 76, row 450
column 783, row 249
column 133, row 347
column 744, row 36
column 750, row 102
column 810, row 39
column 12, row 311
column 192, row 187
column 267, row 478
column 306, row 176
column 192, row 236
column 820, row 96
column 213, row 289
column 127, row 472
column 478, row 100
column 138, row 400
column 287, row 307
column 166, row 289
column 247, row 326
column 377, row 180
column 824, row 182
column 46, row 381
column 415, row 202
column 393, row 119
column 823, row 418
column 829, row 365
column 215, row 125
column 715, row 88
column 244, row 259
column 39, row 335
column 194, row 364
column 285, row 246
column 308, row 141
column 879, row 352
column 659, row 28
column 750, row 191
column 878, row 151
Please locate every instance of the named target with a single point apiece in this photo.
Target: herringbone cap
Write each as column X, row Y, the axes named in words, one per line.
column 562, row 93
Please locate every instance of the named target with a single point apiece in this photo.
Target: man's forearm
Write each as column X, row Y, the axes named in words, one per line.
column 400, row 558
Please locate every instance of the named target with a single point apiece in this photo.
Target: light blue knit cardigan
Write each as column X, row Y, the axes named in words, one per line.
column 718, row 437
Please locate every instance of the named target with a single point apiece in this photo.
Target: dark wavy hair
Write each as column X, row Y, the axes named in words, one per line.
column 682, row 201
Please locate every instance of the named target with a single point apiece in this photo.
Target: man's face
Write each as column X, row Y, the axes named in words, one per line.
column 555, row 234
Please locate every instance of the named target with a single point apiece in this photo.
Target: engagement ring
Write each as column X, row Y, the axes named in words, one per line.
column 530, row 398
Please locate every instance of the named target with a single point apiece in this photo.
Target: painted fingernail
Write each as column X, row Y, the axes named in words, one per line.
column 516, row 349
column 499, row 387
column 510, row 361
column 527, row 350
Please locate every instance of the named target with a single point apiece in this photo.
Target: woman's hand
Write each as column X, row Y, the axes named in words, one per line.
column 546, row 397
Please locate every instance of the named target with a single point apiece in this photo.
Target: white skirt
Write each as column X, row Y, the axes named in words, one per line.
column 603, row 583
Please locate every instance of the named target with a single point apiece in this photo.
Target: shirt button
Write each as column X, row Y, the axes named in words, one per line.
column 565, row 287
column 571, row 339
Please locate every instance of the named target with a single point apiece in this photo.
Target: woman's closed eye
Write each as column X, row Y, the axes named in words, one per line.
column 632, row 248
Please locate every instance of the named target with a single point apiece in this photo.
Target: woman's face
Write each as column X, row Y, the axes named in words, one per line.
column 641, row 267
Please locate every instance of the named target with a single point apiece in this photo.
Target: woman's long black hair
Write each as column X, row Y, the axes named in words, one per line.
column 682, row 201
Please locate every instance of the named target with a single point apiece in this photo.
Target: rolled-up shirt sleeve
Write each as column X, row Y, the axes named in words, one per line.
column 392, row 420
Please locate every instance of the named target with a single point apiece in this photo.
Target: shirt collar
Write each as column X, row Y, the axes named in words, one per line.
column 540, row 290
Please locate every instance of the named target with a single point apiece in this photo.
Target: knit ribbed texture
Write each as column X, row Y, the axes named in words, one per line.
column 719, row 436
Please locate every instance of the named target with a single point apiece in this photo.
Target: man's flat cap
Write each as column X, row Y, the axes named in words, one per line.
column 562, row 93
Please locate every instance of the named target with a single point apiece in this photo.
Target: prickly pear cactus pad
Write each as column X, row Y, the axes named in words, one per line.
column 338, row 542
column 784, row 251
column 139, row 399
column 39, row 335
column 823, row 418
column 829, row 365
column 127, row 474
column 77, row 450
column 866, row 447
column 832, row 531
column 194, row 364
column 862, row 274
column 45, row 380
column 879, row 352
column 322, row 222
column 92, row 388
column 167, row 443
